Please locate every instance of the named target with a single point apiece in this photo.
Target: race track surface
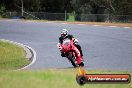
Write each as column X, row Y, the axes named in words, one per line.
column 103, row 47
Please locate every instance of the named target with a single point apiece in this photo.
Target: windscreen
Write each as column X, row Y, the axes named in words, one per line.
column 66, row 42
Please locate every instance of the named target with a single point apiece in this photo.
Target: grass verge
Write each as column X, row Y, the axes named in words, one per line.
column 61, row 78
column 11, row 56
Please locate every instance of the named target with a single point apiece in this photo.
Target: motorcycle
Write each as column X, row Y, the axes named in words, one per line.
column 72, row 53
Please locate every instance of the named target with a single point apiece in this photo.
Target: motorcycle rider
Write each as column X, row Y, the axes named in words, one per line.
column 64, row 35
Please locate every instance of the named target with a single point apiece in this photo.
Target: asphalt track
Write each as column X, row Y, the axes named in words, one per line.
column 103, row 47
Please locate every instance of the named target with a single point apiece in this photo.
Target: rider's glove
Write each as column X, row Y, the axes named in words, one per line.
column 59, row 46
column 75, row 41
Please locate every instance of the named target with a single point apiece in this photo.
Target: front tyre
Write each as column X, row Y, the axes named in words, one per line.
column 72, row 59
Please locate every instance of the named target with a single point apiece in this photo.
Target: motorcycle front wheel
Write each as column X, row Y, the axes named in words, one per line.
column 72, row 59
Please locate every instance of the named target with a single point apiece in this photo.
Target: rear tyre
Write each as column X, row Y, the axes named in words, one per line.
column 81, row 64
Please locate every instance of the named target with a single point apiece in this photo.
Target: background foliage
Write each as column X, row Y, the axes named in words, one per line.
column 117, row 7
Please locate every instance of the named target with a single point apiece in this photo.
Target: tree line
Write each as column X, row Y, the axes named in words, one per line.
column 117, row 7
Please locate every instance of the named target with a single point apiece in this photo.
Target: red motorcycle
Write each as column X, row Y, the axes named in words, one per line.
column 72, row 53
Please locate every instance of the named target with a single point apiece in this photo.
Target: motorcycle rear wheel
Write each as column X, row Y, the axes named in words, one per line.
column 81, row 64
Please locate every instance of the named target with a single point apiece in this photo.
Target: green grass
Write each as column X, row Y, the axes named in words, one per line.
column 71, row 18
column 61, row 78
column 11, row 56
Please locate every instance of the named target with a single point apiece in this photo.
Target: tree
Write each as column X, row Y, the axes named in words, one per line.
column 123, row 7
column 2, row 9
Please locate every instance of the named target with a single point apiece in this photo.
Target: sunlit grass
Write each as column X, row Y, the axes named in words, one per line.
column 62, row 78
column 11, row 56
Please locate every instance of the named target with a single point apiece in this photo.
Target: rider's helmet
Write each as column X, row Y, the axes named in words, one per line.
column 64, row 32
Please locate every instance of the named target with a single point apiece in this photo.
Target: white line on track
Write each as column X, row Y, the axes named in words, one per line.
column 48, row 22
column 63, row 23
column 97, row 25
column 112, row 26
column 80, row 24
column 34, row 57
column 126, row 27
column 77, row 24
column 9, row 20
column 29, row 21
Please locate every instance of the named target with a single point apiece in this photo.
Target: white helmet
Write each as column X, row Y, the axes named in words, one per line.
column 64, row 32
